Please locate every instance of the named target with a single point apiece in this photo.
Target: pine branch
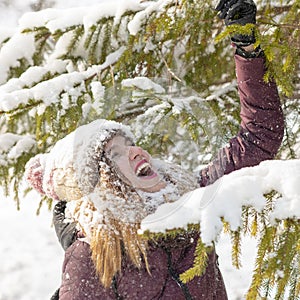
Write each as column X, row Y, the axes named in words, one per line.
column 200, row 263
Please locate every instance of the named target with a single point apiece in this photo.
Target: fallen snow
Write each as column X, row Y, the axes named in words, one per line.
column 31, row 257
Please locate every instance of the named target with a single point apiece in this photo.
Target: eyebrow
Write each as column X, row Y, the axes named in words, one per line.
column 127, row 140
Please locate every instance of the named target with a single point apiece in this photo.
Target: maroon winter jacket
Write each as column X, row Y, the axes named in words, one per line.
column 258, row 139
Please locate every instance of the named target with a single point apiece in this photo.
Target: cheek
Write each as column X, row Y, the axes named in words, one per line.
column 123, row 165
column 146, row 155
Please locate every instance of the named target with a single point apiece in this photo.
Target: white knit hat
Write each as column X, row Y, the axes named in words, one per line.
column 71, row 169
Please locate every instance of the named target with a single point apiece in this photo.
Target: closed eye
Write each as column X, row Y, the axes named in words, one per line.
column 114, row 155
column 129, row 142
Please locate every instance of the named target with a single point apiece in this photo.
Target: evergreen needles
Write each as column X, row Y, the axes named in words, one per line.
column 61, row 76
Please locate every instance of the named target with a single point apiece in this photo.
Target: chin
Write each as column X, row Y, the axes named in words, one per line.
column 155, row 187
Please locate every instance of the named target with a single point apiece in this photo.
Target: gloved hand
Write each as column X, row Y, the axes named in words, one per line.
column 239, row 12
column 66, row 232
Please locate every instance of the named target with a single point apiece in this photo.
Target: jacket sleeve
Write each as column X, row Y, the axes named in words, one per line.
column 79, row 280
column 262, row 123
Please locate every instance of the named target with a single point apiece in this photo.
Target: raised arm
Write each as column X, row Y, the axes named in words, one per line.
column 262, row 122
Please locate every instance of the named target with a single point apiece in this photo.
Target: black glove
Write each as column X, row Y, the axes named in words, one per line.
column 238, row 12
column 55, row 296
column 66, row 232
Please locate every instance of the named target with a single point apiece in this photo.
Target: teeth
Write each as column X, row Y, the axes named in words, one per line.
column 142, row 167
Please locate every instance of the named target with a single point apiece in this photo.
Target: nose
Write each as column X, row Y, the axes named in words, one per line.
column 135, row 151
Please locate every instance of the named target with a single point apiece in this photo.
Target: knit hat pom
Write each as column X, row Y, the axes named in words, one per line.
column 37, row 178
column 34, row 173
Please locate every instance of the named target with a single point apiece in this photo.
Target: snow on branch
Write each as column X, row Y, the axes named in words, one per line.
column 71, row 32
column 47, row 91
column 59, row 19
column 226, row 198
column 12, row 146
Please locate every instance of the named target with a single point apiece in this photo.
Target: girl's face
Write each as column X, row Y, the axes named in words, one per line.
column 134, row 164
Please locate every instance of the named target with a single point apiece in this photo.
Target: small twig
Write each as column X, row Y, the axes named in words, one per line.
column 169, row 70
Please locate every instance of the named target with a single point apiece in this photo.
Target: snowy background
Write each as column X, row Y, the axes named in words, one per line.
column 31, row 257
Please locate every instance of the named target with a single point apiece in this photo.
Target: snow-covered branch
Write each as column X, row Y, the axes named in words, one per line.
column 226, row 198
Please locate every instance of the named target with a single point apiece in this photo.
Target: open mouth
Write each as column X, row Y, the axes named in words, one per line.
column 143, row 169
